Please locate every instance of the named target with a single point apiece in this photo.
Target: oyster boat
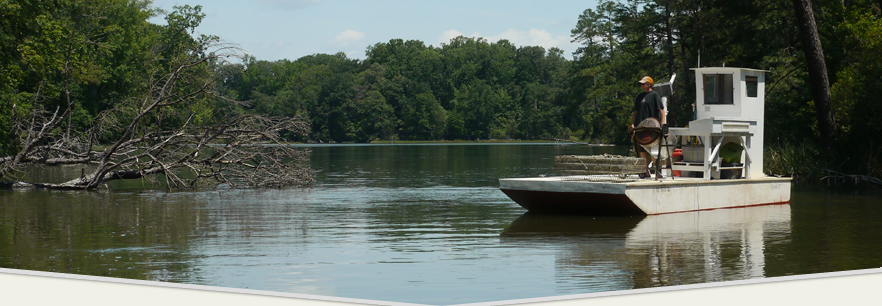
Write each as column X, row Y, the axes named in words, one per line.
column 720, row 165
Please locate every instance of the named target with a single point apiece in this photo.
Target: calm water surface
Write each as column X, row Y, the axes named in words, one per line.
column 424, row 224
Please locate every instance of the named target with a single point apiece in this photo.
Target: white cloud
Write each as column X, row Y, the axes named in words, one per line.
column 348, row 38
column 446, row 36
column 532, row 37
column 355, row 54
column 288, row 4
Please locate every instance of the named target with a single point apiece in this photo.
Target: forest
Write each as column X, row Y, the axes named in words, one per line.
column 77, row 75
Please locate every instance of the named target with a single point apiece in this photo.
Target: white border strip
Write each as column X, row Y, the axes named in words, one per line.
column 198, row 287
column 21, row 286
column 756, row 281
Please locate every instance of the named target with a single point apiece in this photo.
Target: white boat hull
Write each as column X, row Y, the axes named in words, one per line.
column 643, row 197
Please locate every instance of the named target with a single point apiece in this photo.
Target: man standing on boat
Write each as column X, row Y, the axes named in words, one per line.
column 648, row 104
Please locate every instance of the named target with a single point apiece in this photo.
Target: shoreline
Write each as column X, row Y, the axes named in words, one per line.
column 454, row 142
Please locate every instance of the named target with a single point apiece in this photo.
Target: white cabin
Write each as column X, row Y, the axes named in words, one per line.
column 729, row 107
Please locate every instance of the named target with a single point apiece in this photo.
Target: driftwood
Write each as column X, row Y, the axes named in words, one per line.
column 837, row 178
column 599, row 165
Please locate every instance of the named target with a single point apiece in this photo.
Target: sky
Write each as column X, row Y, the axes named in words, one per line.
column 290, row 29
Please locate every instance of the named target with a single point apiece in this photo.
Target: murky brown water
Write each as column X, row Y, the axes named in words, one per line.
column 424, row 224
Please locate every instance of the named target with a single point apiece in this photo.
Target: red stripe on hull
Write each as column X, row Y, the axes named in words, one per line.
column 733, row 207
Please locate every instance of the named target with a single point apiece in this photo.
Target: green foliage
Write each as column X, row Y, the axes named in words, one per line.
column 468, row 89
column 82, row 59
column 856, row 93
column 795, row 160
column 57, row 56
column 621, row 41
column 79, row 57
column 368, row 117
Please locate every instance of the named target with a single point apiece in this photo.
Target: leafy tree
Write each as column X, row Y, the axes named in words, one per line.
column 66, row 65
column 855, row 93
column 77, row 56
column 422, row 117
column 369, row 118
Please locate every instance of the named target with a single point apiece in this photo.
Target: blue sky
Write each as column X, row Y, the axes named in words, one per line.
column 278, row 29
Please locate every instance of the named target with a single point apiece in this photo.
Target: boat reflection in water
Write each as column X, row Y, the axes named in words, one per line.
column 615, row 253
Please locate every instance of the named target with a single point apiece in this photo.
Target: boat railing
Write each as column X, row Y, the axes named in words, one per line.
column 713, row 133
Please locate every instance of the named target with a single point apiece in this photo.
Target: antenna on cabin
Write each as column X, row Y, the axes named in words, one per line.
column 699, row 59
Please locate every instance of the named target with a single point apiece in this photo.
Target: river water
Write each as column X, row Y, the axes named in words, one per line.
column 425, row 224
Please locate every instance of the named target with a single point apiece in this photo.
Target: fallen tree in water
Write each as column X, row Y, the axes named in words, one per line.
column 839, row 178
column 164, row 135
column 246, row 151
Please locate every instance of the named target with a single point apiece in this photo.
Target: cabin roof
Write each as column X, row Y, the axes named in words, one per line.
column 729, row 68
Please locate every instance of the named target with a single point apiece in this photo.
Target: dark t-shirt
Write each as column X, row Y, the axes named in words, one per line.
column 647, row 105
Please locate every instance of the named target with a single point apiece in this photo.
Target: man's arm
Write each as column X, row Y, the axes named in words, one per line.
column 633, row 118
column 661, row 113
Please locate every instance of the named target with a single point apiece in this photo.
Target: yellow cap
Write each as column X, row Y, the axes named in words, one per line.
column 647, row 79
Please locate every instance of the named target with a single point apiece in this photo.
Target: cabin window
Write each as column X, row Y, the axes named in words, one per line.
column 752, row 83
column 718, row 89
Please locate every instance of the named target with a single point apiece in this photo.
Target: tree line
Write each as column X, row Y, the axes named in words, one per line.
column 83, row 69
column 468, row 89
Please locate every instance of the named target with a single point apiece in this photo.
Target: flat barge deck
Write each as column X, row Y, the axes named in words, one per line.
column 642, row 197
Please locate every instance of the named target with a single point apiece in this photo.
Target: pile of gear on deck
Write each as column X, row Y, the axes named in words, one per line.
column 648, row 134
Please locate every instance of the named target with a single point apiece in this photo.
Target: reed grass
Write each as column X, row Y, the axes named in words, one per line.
column 809, row 164
column 801, row 162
